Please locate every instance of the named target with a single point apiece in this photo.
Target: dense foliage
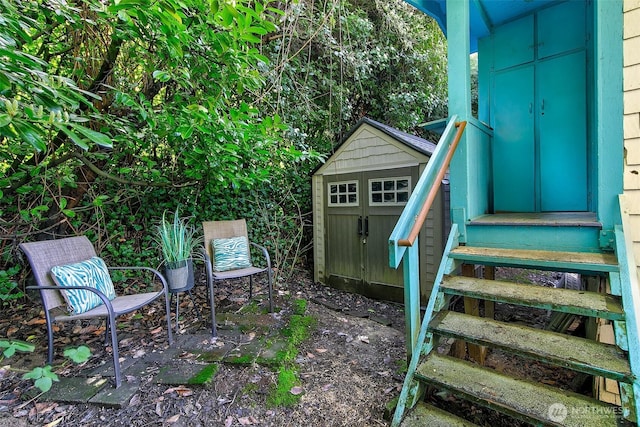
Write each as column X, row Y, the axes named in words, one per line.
column 112, row 112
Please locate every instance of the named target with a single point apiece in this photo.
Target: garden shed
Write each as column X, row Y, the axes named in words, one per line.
column 358, row 195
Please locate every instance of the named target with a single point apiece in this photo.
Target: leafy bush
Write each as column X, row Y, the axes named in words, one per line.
column 222, row 108
column 9, row 288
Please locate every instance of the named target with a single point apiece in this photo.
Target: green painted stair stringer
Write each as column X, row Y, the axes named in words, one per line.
column 410, row 393
column 607, row 309
column 630, row 291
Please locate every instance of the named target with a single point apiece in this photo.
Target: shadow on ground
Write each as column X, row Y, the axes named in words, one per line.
column 193, row 359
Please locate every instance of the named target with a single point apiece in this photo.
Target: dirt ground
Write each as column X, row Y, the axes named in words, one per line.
column 350, row 367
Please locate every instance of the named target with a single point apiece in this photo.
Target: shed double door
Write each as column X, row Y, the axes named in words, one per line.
column 539, row 112
column 362, row 209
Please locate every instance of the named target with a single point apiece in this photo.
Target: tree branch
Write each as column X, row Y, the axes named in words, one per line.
column 119, row 180
column 32, row 161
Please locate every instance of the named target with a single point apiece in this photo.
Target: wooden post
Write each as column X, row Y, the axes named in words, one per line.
column 489, row 306
column 472, row 307
column 411, row 271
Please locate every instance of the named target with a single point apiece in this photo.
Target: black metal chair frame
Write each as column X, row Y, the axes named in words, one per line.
column 44, row 255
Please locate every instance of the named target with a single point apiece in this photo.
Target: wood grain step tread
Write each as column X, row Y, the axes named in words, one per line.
column 554, row 260
column 428, row 415
column 583, row 303
column 564, row 350
column 539, row 219
column 525, row 400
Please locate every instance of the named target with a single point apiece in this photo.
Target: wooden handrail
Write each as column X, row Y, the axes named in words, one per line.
column 422, row 215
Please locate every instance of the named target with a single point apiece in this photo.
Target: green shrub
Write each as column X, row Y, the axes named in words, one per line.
column 8, row 287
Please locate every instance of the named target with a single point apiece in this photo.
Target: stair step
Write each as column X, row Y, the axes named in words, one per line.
column 428, row 415
column 585, row 262
column 539, row 219
column 582, row 303
column 525, row 400
column 575, row 353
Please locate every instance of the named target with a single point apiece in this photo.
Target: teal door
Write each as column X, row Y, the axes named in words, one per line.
column 514, row 157
column 562, row 134
column 539, row 112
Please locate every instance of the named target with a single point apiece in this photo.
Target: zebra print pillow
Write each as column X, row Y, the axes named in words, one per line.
column 93, row 273
column 231, row 254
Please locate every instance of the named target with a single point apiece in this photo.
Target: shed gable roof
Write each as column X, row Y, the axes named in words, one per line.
column 412, row 141
column 371, row 145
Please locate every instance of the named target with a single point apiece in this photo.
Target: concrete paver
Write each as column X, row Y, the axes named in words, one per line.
column 192, row 359
column 76, row 389
column 116, row 397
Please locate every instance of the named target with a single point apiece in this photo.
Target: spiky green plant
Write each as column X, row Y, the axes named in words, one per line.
column 177, row 238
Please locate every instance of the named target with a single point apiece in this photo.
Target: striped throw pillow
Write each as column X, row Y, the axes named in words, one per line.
column 231, row 254
column 92, row 273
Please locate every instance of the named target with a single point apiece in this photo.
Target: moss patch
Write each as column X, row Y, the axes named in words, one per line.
column 245, row 359
column 299, row 328
column 206, row 375
column 300, row 307
column 298, row 331
column 280, row 394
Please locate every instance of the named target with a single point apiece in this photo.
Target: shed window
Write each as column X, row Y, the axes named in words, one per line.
column 389, row 191
column 343, row 193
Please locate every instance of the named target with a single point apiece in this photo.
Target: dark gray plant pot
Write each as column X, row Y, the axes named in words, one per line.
column 179, row 275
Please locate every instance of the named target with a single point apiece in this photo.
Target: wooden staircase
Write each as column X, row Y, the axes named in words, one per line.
column 517, row 397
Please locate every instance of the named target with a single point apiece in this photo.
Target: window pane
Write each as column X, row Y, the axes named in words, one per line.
column 334, row 188
column 352, row 198
column 342, row 188
column 352, row 188
column 390, row 191
column 334, row 200
column 343, row 198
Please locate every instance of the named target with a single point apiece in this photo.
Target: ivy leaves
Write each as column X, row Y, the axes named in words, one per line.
column 43, row 377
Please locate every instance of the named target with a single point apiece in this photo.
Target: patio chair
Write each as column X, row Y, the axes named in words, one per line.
column 227, row 256
column 74, row 284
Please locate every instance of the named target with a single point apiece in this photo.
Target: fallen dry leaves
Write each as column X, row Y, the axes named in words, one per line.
column 173, row 419
column 181, row 391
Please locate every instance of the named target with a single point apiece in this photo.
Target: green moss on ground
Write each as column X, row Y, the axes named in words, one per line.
column 280, row 394
column 246, row 359
column 298, row 330
column 299, row 307
column 206, row 375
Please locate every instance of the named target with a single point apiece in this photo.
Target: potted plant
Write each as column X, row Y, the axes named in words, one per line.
column 178, row 240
